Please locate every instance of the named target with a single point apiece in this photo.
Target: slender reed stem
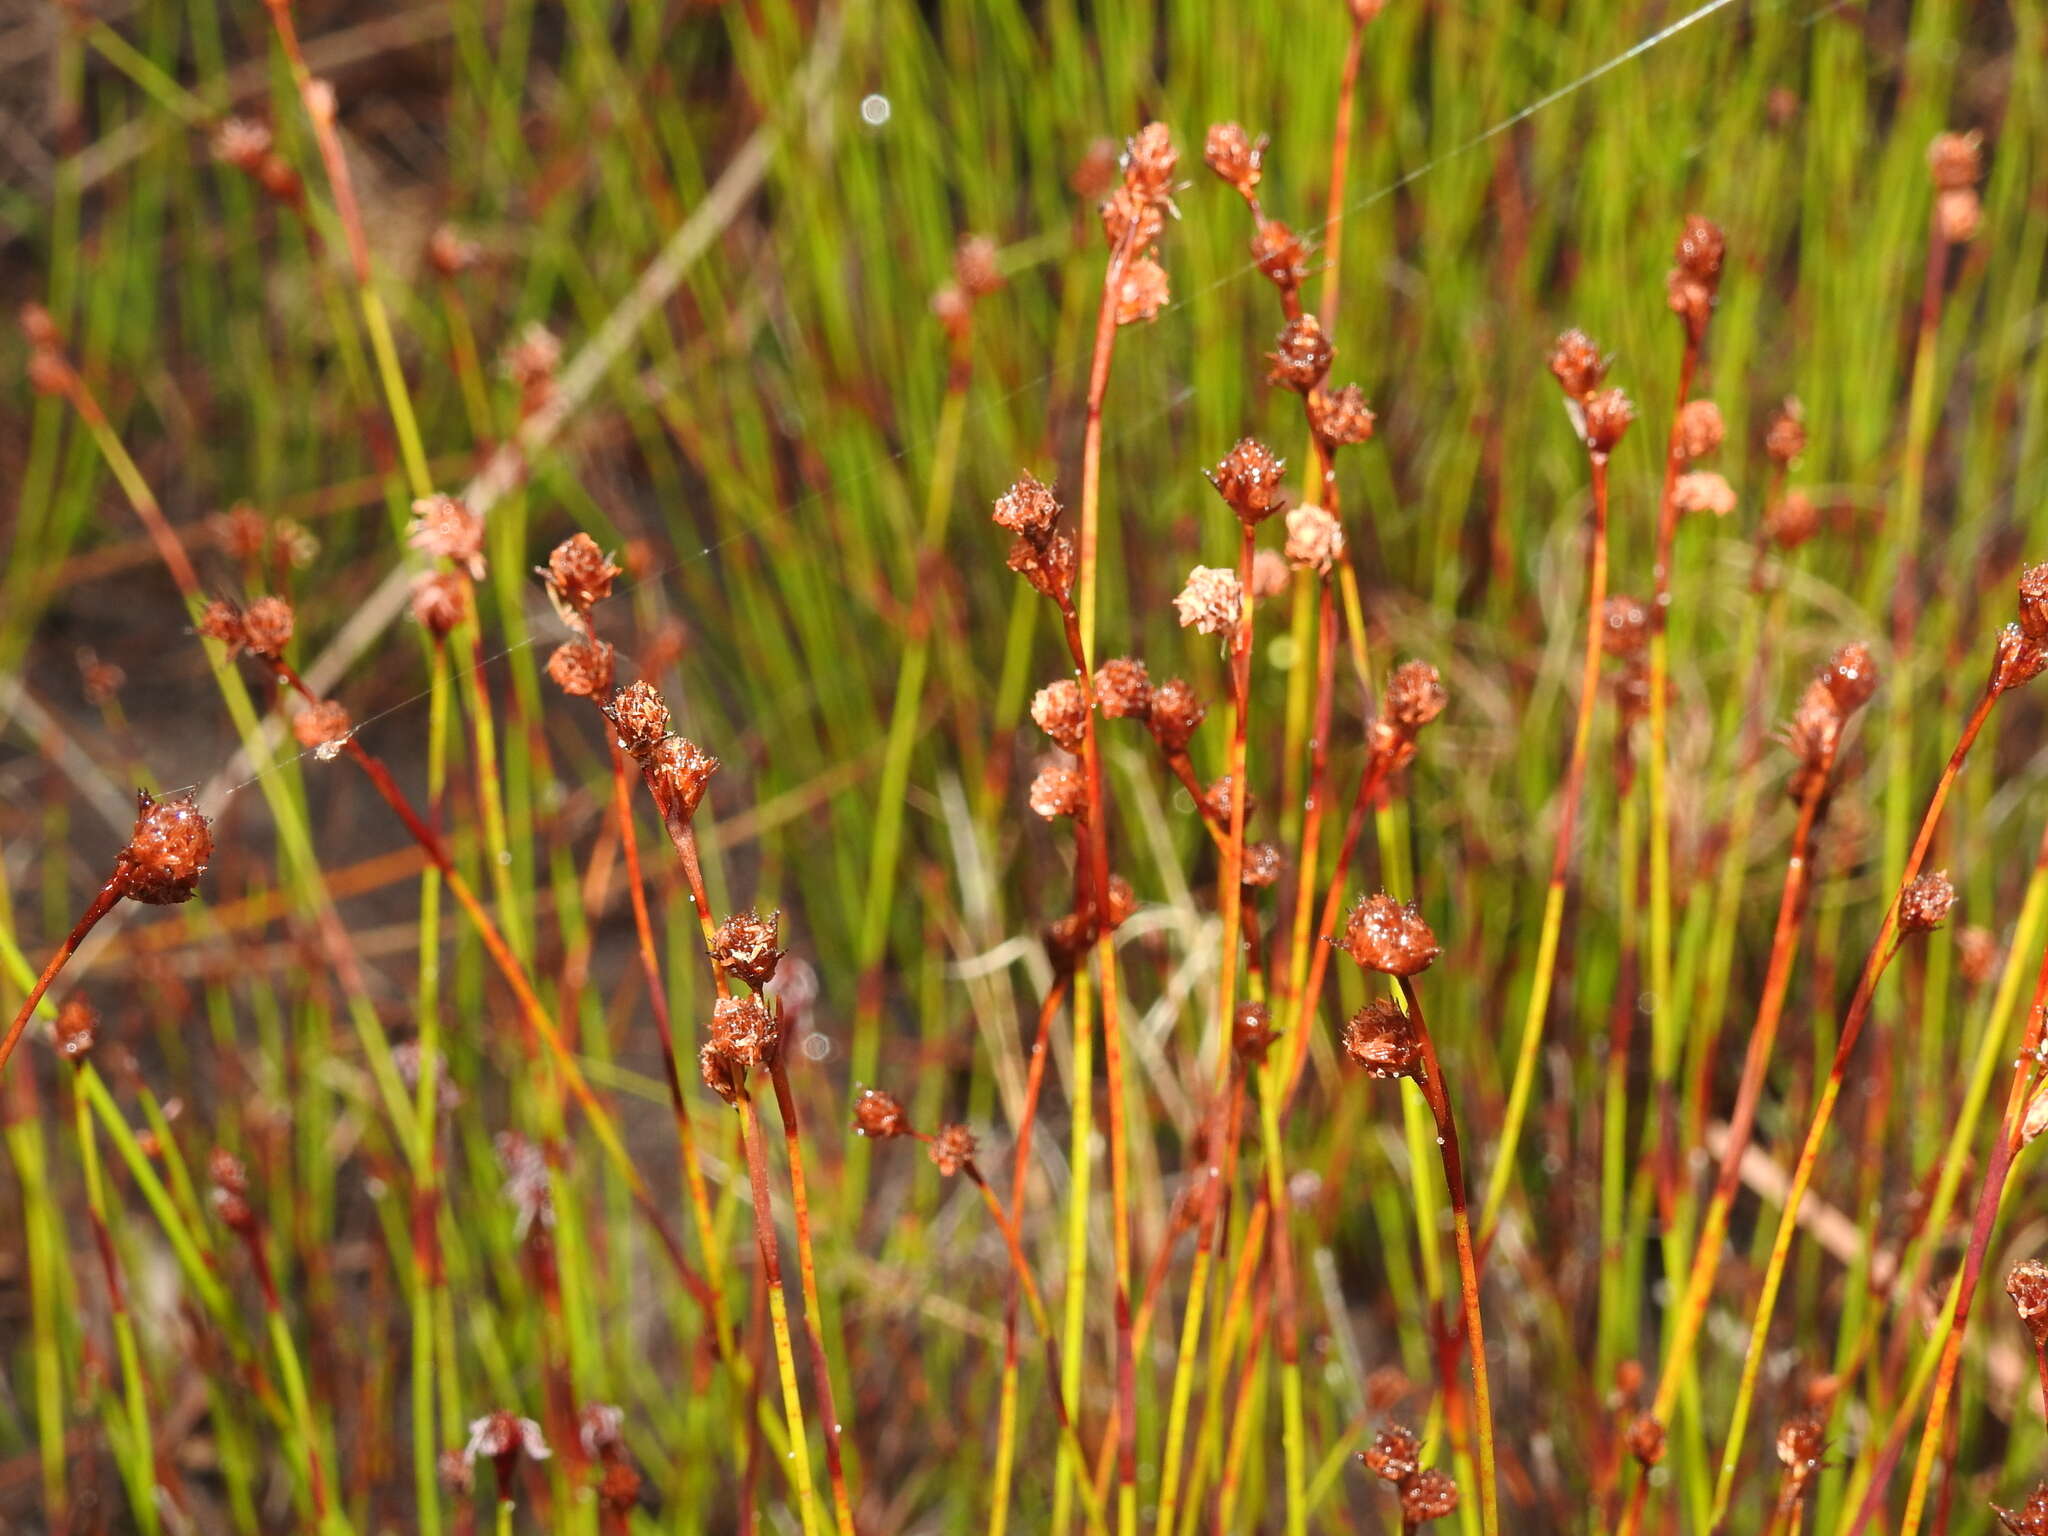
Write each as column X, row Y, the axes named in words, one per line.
column 1501, row 1180
column 108, row 897
column 1881, row 951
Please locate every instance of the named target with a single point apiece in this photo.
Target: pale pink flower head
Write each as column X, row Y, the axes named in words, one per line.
column 1211, row 601
column 1702, row 490
column 447, row 530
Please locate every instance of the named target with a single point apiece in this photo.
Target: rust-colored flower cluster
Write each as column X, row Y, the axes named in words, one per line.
column 1041, row 554
column 1133, row 219
column 1395, row 1457
column 1414, row 696
column 1390, row 936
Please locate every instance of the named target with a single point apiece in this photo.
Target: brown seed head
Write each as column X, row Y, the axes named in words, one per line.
column 1700, row 428
column 1149, row 160
column 1624, row 625
column 1176, row 714
column 1235, row 156
column 1977, row 955
column 1395, row 1454
column 1702, row 490
column 1577, row 365
column 1802, row 1441
column 444, row 529
column 578, row 574
column 1315, row 539
column 1144, row 291
column 440, row 601
column 168, row 852
column 1701, row 246
column 745, row 1031
column 678, row 771
column 1123, row 688
column 2031, row 1519
column 1248, row 480
column 450, row 253
column 640, row 716
column 1262, row 866
column 321, row 725
column 267, row 626
column 720, row 1073
column 1061, row 711
column 2017, row 659
column 1049, row 565
column 582, row 668
column 76, row 1029
column 1028, row 509
column 1389, row 936
column 1850, row 677
column 1058, row 791
column 1301, row 357
column 975, row 267
column 878, row 1115
column 1792, row 521
column 231, row 1193
column 1956, row 160
column 223, row 622
column 1414, row 696
column 1221, row 799
column 1646, row 1440
column 1341, row 417
column 1785, row 438
column 2027, row 1284
column 1926, row 902
column 952, row 1149
column 1130, row 221
column 1212, row 601
column 1382, row 1039
column 1429, row 1495
column 1608, row 414
column 745, row 945
column 1281, row 254
column 1251, row 1032
column 2034, row 603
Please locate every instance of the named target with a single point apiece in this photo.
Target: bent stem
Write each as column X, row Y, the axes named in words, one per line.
column 1502, row 1178
column 108, row 898
column 1438, row 1096
column 1882, row 949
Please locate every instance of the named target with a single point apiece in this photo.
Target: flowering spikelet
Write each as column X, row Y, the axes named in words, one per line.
column 1607, row 416
column 877, row 1114
column 1703, row 490
column 1785, row 438
column 1270, row 572
column 1646, row 1440
column 1061, row 711
column 231, row 1193
column 1577, row 365
column 1429, row 1495
column 1395, row 1454
column 1143, row 292
column 1850, row 677
column 639, row 715
column 1280, row 253
column 1694, row 282
column 952, row 1149
column 1301, row 357
column 1212, row 601
column 1149, row 160
column 2027, row 1285
column 267, row 626
column 582, row 668
column 167, row 853
column 503, row 1437
column 2016, row 660
column 1221, row 800
column 1263, row 864
column 745, row 945
column 1926, row 902
column 1792, row 520
column 579, row 575
column 445, row 529
column 1956, row 162
column 2031, row 1519
column 1382, row 1039
column 678, row 771
column 1414, row 696
column 1251, row 1032
column 440, row 601
column 975, row 267
column 1315, row 539
column 745, row 1031
column 1028, row 508
column 1058, row 791
column 76, row 1029
column 1248, row 480
column 529, row 1186
column 1624, row 625
column 1390, row 937
column 1123, row 688
column 1235, row 156
column 451, row 253
column 1340, row 417
column 322, row 726
column 1175, row 715
column 2034, row 603
column 1802, row 1441
column 1700, row 429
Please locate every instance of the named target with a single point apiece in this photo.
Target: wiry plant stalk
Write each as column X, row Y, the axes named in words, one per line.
column 1881, row 952
column 1535, row 1015
column 104, row 901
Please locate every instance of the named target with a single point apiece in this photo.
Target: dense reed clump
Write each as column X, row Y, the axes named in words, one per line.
column 1367, row 893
